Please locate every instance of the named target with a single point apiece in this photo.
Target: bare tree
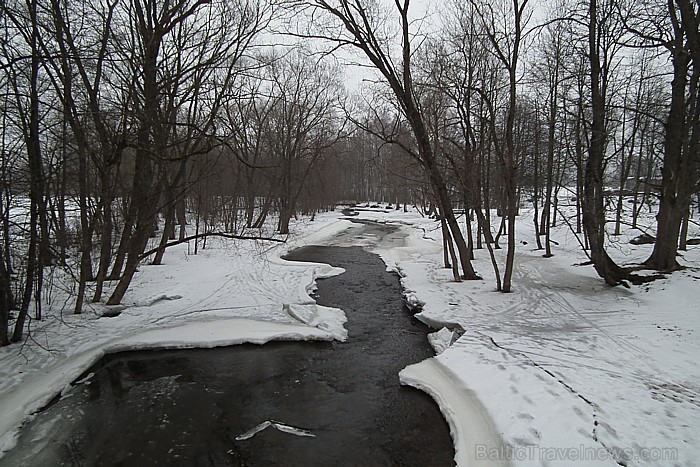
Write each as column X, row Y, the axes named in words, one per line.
column 553, row 49
column 244, row 123
column 184, row 46
column 504, row 27
column 600, row 44
column 301, row 124
column 359, row 24
column 23, row 57
column 83, row 67
column 675, row 28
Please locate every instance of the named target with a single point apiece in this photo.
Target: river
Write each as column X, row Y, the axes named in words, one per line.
column 316, row 404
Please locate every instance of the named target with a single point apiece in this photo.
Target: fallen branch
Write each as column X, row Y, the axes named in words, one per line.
column 209, row 234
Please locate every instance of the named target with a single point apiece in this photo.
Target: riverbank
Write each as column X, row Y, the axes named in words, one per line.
column 342, row 400
column 571, row 371
column 232, row 292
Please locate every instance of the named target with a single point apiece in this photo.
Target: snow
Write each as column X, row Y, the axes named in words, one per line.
column 471, row 427
column 571, row 371
column 563, row 371
column 233, row 292
column 442, row 339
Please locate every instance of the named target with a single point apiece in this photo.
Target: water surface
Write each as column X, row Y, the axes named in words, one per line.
column 188, row 407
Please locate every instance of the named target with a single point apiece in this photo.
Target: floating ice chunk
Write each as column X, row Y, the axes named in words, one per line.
column 324, row 318
column 442, row 339
column 412, row 301
column 253, row 431
column 292, row 430
column 283, row 427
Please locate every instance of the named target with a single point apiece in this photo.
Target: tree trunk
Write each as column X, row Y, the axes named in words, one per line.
column 446, row 209
column 105, row 242
column 146, row 201
column 470, row 236
column 637, row 178
column 36, row 187
column 285, row 218
column 593, row 205
column 488, row 241
column 551, row 133
column 535, row 194
column 250, row 198
column 683, row 240
column 675, row 173
column 124, row 240
column 6, row 302
column 143, row 196
column 445, row 249
column 264, row 211
column 158, row 259
column 180, row 210
column 453, row 257
column 86, row 229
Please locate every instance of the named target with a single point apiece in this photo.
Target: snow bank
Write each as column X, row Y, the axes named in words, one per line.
column 233, row 292
column 42, row 388
column 473, row 433
column 570, row 371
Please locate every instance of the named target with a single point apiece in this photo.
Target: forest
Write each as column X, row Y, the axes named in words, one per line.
column 129, row 126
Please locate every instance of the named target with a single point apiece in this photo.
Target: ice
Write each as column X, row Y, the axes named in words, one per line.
column 442, row 339
column 280, row 426
column 253, row 431
column 471, row 427
column 292, row 430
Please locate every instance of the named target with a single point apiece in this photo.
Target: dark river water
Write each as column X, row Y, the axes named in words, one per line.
column 336, row 403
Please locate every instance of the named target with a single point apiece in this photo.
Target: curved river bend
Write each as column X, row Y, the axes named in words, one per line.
column 333, row 403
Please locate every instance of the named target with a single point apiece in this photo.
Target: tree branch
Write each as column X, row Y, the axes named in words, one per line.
column 209, row 234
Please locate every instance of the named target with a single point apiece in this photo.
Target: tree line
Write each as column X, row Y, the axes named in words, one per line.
column 499, row 99
column 131, row 125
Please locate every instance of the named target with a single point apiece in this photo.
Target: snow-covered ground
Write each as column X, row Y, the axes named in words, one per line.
column 230, row 293
column 565, row 369
column 571, row 371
